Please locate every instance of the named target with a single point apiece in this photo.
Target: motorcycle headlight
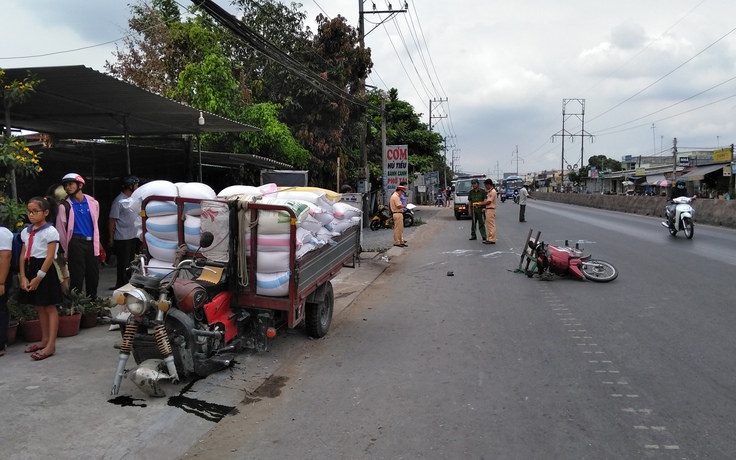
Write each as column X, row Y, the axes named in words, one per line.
column 137, row 301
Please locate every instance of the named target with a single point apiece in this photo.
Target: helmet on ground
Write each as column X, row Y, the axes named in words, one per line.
column 72, row 177
column 129, row 181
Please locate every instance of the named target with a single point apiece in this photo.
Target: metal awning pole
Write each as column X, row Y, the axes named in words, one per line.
column 127, row 143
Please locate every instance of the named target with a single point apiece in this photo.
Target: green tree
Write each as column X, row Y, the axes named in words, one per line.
column 16, row 157
column 403, row 127
column 195, row 61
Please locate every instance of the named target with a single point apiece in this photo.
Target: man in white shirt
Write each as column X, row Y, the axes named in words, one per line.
column 523, row 195
column 123, row 231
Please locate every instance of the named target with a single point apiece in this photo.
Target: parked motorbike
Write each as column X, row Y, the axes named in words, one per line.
column 563, row 261
column 683, row 219
column 186, row 319
column 382, row 218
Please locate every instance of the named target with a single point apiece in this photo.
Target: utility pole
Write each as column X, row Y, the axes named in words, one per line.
column 431, row 116
column 498, row 172
column 455, row 159
column 674, row 160
column 654, row 141
column 732, row 189
column 445, row 153
column 364, row 174
column 564, row 133
column 516, row 152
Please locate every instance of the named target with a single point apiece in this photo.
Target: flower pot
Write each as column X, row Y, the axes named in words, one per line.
column 31, row 330
column 69, row 325
column 89, row 320
column 12, row 332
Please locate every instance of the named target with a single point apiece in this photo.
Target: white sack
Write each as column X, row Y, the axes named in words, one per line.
column 272, row 284
column 163, row 227
column 164, row 250
column 215, row 219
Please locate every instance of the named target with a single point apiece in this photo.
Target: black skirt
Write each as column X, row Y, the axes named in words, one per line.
column 49, row 290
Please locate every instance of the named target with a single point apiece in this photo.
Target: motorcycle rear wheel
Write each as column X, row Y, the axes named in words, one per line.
column 408, row 220
column 599, row 271
column 688, row 227
column 319, row 315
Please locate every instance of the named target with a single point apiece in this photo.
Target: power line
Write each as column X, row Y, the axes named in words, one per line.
column 664, row 76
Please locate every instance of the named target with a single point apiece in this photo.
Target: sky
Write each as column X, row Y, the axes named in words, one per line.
column 630, row 75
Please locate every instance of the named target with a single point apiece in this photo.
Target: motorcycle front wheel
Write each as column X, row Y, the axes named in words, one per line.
column 599, row 271
column 688, row 227
column 375, row 224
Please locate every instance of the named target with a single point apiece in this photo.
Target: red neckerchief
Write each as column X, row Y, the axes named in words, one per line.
column 30, row 238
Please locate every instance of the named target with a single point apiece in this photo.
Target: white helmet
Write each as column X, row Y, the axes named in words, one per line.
column 72, row 177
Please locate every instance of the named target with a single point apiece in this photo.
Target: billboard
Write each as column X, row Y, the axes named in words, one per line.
column 395, row 166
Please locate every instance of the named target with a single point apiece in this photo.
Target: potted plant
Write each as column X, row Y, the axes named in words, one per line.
column 90, row 309
column 29, row 326
column 70, row 313
column 14, row 313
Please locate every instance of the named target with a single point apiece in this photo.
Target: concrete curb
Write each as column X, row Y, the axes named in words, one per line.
column 707, row 211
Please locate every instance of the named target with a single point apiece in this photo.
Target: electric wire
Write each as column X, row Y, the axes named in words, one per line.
column 664, row 76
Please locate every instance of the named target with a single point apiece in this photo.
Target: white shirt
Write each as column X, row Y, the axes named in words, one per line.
column 522, row 195
column 6, row 239
column 41, row 241
column 125, row 218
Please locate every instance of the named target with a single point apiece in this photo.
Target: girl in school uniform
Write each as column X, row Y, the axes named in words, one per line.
column 39, row 280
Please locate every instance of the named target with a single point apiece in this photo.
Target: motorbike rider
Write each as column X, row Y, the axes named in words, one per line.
column 680, row 189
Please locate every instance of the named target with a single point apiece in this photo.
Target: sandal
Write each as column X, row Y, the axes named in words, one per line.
column 33, row 348
column 39, row 355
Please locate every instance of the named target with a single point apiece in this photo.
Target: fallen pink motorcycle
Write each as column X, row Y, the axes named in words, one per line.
column 565, row 261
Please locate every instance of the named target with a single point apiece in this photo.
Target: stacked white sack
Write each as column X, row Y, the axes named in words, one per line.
column 215, row 218
column 195, row 190
column 346, row 216
column 273, row 245
column 192, row 211
column 161, row 234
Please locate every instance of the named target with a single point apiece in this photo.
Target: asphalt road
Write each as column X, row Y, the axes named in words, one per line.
column 491, row 364
column 61, row 407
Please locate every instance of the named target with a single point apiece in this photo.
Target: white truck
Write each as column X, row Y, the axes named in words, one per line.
column 460, row 198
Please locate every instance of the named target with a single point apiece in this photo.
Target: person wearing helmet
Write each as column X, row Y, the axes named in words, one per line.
column 680, row 189
column 79, row 235
column 123, row 231
column 476, row 195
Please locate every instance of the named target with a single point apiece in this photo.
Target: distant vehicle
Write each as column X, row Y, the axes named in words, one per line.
column 460, row 195
column 509, row 184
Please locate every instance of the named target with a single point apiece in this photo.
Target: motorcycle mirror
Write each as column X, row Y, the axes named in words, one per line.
column 206, row 239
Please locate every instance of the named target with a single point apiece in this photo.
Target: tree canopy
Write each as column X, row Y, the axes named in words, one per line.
column 192, row 59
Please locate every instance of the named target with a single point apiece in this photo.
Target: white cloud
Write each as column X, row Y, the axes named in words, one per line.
column 504, row 67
